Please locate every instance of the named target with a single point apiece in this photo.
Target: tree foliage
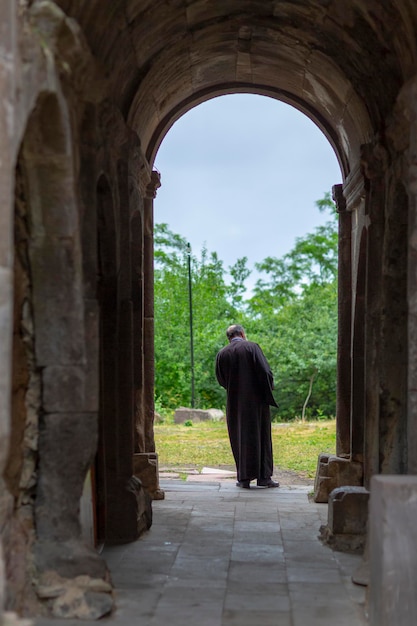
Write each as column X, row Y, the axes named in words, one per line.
column 212, row 302
column 292, row 314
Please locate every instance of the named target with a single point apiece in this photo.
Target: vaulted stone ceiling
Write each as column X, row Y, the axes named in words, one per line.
column 340, row 61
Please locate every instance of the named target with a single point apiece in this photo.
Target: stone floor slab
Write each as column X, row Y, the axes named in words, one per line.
column 257, row 602
column 253, row 618
column 218, row 555
column 301, row 574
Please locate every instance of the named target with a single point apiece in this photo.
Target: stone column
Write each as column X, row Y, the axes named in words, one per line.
column 136, row 246
column 375, row 216
column 149, row 353
column 357, row 423
column 393, row 557
column 341, row 469
column 412, row 289
column 378, row 285
column 146, row 461
column 8, row 18
column 344, row 313
column 386, row 320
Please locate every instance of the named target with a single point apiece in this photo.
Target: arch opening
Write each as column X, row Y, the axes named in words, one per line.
column 219, row 204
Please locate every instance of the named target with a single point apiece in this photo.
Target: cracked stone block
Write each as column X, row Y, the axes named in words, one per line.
column 333, row 472
column 393, row 557
column 82, row 605
column 58, row 301
column 183, row 414
column 145, row 467
column 69, row 559
column 348, row 510
column 81, row 597
column 67, row 444
column 347, row 519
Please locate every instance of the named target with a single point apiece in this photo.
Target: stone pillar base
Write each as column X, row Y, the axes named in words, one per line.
column 145, row 467
column 347, row 519
column 333, row 472
column 392, row 551
column 129, row 512
column 67, row 574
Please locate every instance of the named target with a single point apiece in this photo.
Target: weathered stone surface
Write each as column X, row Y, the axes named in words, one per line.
column 8, row 60
column 155, row 61
column 63, row 388
column 82, row 605
column 347, row 519
column 144, row 505
column 12, row 619
column 348, row 510
column 67, row 443
column 58, row 303
column 145, row 467
column 183, row 414
column 53, row 210
column 129, row 511
column 65, row 39
column 92, row 348
column 18, row 538
column 81, row 597
column 6, row 327
column 74, row 388
column 344, row 315
column 333, row 472
column 69, row 559
column 52, row 585
column 393, row 557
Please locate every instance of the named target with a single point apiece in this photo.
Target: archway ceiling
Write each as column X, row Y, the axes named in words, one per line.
column 341, row 62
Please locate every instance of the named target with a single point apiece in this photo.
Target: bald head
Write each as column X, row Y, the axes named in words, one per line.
column 236, row 330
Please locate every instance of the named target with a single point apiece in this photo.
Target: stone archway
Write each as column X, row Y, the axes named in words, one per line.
column 351, row 67
column 344, row 68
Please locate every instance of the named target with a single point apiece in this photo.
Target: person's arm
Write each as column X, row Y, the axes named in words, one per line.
column 265, row 376
column 219, row 374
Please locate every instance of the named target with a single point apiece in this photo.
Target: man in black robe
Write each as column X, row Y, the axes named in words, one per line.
column 242, row 369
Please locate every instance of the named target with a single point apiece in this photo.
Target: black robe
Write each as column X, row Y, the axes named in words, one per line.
column 242, row 369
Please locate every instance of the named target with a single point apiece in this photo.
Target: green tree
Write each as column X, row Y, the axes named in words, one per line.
column 239, row 272
column 294, row 315
column 307, row 332
column 212, row 306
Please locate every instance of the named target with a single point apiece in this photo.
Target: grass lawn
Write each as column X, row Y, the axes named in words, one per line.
column 296, row 445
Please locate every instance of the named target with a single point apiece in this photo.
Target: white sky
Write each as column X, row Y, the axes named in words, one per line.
column 241, row 174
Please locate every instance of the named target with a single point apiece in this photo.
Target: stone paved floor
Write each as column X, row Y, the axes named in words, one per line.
column 217, row 555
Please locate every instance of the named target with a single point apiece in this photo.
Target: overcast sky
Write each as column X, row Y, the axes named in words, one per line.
column 240, row 174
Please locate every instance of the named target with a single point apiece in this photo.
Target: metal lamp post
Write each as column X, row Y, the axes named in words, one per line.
column 190, row 301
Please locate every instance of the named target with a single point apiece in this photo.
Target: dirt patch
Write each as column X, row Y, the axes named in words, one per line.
column 285, row 477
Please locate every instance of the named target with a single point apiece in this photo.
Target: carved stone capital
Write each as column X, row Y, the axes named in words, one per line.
column 153, row 185
column 338, row 198
column 354, row 189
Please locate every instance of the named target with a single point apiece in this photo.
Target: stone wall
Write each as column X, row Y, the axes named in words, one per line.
column 65, row 237
column 20, row 470
column 88, row 93
column 8, row 61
